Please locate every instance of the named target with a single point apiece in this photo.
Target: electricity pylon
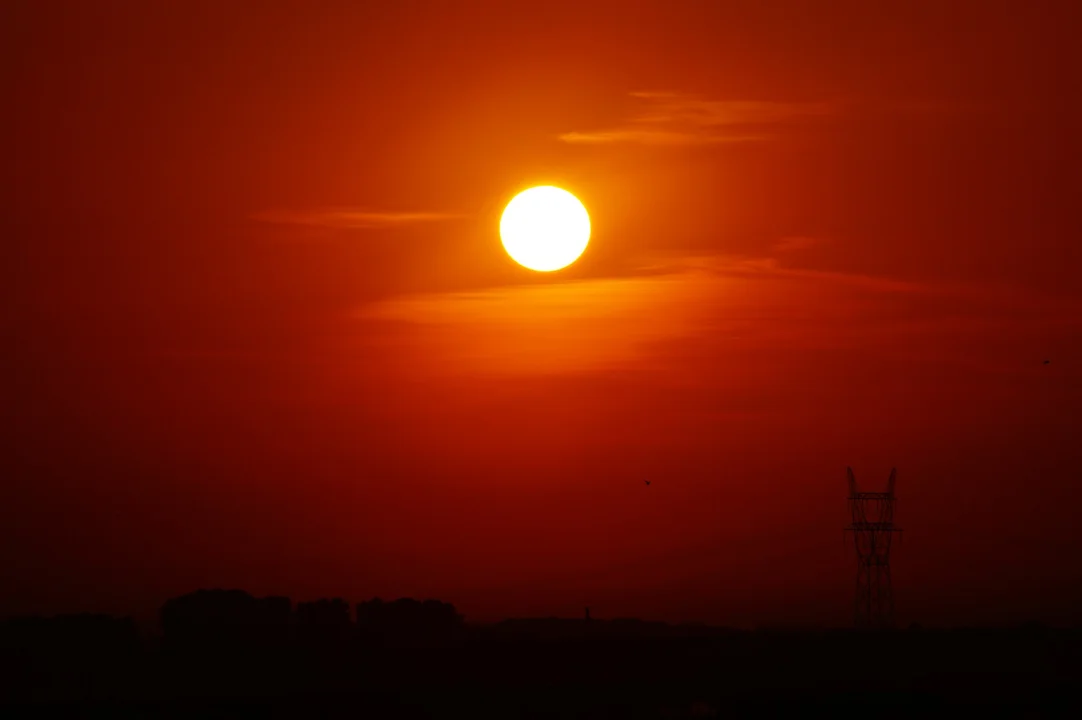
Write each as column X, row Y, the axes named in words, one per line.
column 873, row 529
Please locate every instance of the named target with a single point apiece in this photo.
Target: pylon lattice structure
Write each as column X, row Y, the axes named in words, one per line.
column 873, row 530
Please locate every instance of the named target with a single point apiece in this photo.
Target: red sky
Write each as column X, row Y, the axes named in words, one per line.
column 260, row 331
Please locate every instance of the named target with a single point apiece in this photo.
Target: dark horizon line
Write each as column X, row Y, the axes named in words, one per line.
column 144, row 622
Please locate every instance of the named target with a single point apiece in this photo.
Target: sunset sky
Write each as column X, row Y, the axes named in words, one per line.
column 260, row 331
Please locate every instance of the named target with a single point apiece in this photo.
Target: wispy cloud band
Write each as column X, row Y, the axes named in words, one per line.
column 354, row 218
column 667, row 118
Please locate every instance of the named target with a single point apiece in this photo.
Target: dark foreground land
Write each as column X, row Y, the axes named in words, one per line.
column 534, row 669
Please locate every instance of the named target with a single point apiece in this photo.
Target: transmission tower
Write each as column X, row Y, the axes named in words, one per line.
column 873, row 529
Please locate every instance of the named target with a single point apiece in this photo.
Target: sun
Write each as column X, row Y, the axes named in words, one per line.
column 545, row 228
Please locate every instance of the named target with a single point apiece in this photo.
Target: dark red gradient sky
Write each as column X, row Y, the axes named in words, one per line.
column 260, row 331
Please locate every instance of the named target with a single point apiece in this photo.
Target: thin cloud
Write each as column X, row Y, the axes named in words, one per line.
column 797, row 243
column 653, row 137
column 769, row 267
column 351, row 218
column 694, row 313
column 678, row 119
column 608, row 323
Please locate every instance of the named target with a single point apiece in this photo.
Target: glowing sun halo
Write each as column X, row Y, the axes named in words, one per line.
column 545, row 228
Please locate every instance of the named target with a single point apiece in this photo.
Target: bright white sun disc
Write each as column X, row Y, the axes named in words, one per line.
column 545, row 228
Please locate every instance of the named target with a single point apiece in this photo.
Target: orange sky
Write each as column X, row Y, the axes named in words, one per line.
column 262, row 332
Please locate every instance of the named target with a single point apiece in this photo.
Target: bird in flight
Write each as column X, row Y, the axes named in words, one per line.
column 646, row 481
column 1047, row 361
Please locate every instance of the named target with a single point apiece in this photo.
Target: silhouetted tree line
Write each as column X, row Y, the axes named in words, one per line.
column 75, row 636
column 217, row 643
column 233, row 617
column 230, row 617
